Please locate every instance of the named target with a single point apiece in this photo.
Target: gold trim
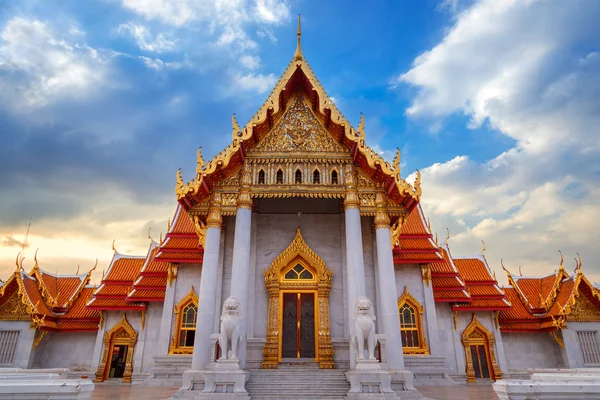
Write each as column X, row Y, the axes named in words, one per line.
column 214, row 219
column 560, row 342
column 171, row 273
column 426, row 274
column 477, row 334
column 190, row 298
column 112, row 337
column 39, row 336
column 382, row 219
column 407, row 298
column 298, row 252
column 350, row 180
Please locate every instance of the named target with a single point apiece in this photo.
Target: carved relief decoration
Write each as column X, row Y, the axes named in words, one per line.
column 13, row 309
column 298, row 252
column 477, row 334
column 584, row 310
column 298, row 130
column 121, row 334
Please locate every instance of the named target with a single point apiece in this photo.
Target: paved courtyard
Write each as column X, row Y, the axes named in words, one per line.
column 127, row 392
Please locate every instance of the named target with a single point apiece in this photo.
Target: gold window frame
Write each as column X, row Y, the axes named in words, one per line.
column 190, row 298
column 477, row 334
column 407, row 299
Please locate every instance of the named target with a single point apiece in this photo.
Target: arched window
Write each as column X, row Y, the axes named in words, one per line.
column 298, row 272
column 334, row 177
column 316, row 177
column 185, row 312
column 261, row 177
column 279, row 177
column 298, row 176
column 411, row 325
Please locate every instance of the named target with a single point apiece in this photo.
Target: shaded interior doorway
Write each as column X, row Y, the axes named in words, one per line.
column 116, row 368
column 298, row 325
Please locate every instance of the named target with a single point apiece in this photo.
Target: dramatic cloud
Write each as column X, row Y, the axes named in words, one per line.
column 522, row 68
column 38, row 67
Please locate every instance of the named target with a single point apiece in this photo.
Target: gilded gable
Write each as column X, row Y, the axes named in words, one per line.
column 584, row 310
column 298, row 130
column 14, row 309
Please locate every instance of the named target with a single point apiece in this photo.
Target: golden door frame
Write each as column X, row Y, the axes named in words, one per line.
column 477, row 334
column 120, row 334
column 298, row 252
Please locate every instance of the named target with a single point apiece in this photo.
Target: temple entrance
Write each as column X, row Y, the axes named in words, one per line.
column 117, row 357
column 298, row 282
column 480, row 358
column 298, row 325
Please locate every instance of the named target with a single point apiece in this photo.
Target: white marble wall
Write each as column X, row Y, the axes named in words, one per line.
column 23, row 354
column 71, row 350
column 529, row 350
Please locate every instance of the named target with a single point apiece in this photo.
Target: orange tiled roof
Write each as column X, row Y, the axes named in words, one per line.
column 181, row 242
column 156, row 281
column 113, row 304
column 447, row 283
column 71, row 317
column 146, row 295
column 124, row 268
column 415, row 244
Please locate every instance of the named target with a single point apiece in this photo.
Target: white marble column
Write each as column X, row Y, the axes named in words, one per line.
column 166, row 320
column 240, row 270
column 207, row 295
column 355, row 264
column 433, row 334
column 388, row 309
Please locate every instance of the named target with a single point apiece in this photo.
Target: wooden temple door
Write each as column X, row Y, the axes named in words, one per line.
column 481, row 366
column 298, row 327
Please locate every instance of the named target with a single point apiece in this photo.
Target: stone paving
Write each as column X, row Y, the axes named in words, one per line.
column 128, row 392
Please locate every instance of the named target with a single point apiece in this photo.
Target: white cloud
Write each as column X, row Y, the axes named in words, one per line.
column 250, row 62
column 258, row 83
column 503, row 64
column 226, row 18
column 144, row 38
column 40, row 67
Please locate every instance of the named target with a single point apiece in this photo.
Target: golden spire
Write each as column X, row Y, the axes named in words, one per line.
column 482, row 248
column 150, row 236
column 436, row 241
column 77, row 272
column 235, row 128
column 298, row 54
column 361, row 126
column 95, row 265
column 396, row 162
column 113, row 246
column 35, row 265
column 447, row 236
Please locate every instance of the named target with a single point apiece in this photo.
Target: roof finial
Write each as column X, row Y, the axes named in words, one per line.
column 298, row 54
column 35, row 265
column 95, row 265
column 77, row 273
column 561, row 268
column 520, row 273
column 447, row 236
column 482, row 248
column 113, row 246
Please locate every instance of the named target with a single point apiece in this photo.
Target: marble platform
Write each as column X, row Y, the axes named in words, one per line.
column 559, row 384
column 42, row 384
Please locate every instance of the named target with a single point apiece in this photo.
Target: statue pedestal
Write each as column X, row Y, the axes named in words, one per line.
column 369, row 380
column 227, row 382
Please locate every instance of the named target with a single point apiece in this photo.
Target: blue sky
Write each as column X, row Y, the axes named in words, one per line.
column 496, row 102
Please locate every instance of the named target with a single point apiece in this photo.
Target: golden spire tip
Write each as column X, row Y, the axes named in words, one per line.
column 298, row 54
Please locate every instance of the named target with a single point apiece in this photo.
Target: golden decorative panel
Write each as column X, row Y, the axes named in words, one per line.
column 14, row 310
column 298, row 130
column 411, row 324
column 189, row 299
column 120, row 334
column 298, row 252
column 584, row 310
column 477, row 334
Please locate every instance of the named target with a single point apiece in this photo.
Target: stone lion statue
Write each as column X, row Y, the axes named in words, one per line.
column 364, row 325
column 230, row 329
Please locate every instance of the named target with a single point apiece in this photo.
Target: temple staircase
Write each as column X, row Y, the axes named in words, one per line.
column 297, row 380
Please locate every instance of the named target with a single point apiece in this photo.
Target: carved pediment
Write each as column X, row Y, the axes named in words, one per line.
column 13, row 309
column 298, row 130
column 584, row 310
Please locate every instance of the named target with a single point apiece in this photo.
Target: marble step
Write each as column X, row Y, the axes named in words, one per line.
column 292, row 381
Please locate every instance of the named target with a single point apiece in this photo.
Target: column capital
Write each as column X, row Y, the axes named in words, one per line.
column 351, row 200
column 214, row 219
column 244, row 200
column 382, row 219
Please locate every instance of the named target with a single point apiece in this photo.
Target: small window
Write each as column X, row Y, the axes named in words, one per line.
column 298, row 176
column 8, row 347
column 187, row 329
column 334, row 178
column 261, row 177
column 408, row 327
column 298, row 272
column 590, row 348
column 279, row 177
column 316, row 177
